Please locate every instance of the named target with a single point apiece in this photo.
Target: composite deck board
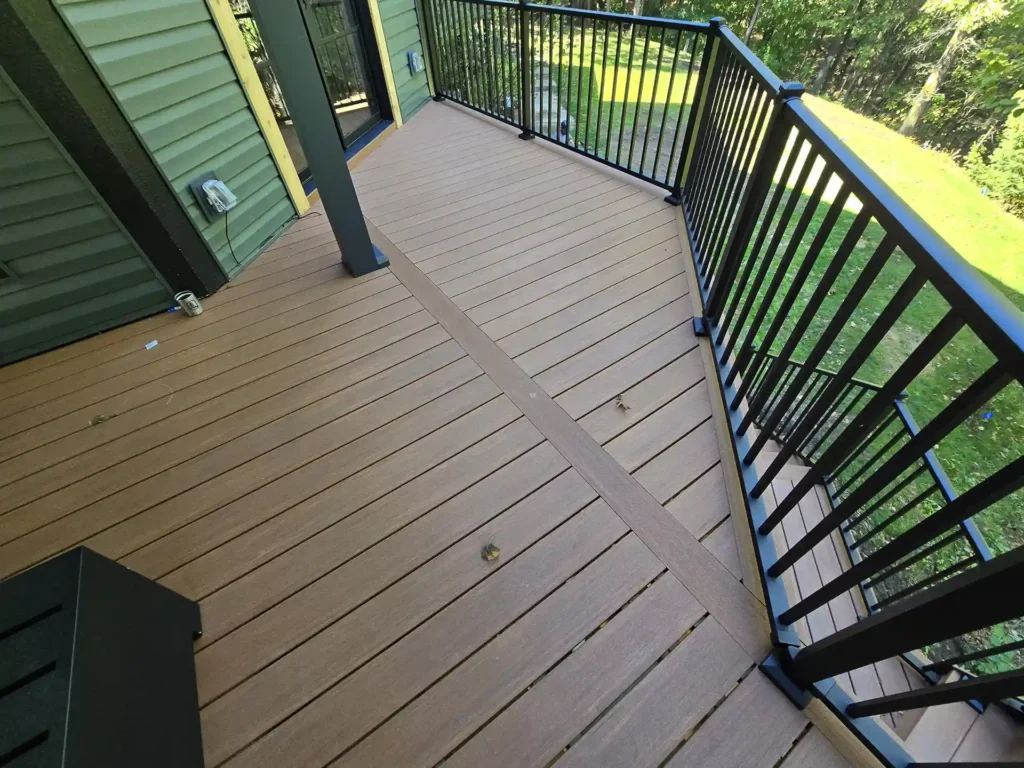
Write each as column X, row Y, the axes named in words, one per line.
column 172, row 416
column 320, row 461
column 652, row 719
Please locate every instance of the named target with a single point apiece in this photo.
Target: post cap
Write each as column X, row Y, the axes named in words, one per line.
column 718, row 21
column 791, row 91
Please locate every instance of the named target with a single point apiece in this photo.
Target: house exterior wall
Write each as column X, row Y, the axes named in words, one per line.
column 402, row 31
column 166, row 64
column 73, row 270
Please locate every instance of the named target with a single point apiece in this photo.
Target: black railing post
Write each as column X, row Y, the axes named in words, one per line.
column 754, row 194
column 525, row 70
column 701, row 103
column 432, row 49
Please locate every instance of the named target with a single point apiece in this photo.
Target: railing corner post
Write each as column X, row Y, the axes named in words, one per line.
column 525, row 121
column 704, row 93
column 776, row 666
column 432, row 49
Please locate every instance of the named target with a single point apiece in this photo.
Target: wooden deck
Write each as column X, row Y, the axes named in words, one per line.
column 319, row 460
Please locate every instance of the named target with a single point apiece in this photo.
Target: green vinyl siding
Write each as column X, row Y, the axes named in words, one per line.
column 73, row 270
column 165, row 63
column 402, row 32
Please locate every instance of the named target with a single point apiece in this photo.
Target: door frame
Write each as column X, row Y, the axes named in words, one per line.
column 373, row 61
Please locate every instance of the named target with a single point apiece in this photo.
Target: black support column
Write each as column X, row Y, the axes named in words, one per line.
column 287, row 42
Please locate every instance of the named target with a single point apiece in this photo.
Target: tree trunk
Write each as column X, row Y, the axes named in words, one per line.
column 912, row 122
column 638, row 7
column 752, row 22
column 825, row 65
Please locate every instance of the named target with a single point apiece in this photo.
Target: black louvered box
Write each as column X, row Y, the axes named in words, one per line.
column 96, row 668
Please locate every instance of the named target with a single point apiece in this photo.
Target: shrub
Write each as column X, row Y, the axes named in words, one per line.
column 1003, row 172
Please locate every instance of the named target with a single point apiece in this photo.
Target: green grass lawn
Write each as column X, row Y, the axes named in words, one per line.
column 617, row 98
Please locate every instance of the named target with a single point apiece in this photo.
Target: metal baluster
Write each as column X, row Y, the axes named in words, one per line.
column 525, row 50
column 665, row 111
column 899, row 514
column 737, row 250
column 781, row 272
column 625, row 96
column 579, row 86
column 901, row 566
column 590, row 85
column 817, row 298
column 863, row 442
column 568, row 82
column 551, row 66
column 639, row 96
column 827, row 408
column 869, row 416
column 654, row 97
column 984, row 596
column 977, row 394
column 762, row 272
column 714, row 182
column 942, row 575
column 710, row 154
column 732, row 198
column 600, row 93
column 615, row 91
column 888, row 496
column 944, row 665
column 701, row 95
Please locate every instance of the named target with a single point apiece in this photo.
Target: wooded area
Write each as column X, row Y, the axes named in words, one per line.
column 949, row 73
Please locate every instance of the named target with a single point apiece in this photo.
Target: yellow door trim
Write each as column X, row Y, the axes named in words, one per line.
column 246, row 71
column 385, row 60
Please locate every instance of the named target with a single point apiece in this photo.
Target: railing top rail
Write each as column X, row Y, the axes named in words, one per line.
column 687, row 26
column 758, row 68
column 996, row 321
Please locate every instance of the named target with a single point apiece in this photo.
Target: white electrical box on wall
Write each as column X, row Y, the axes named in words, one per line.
column 415, row 62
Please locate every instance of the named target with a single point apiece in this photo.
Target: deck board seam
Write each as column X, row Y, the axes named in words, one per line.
column 508, row 223
column 721, row 594
column 609, row 308
column 550, row 274
column 132, row 343
column 503, row 565
column 456, row 491
column 125, row 394
column 577, row 282
column 254, row 458
column 375, row 350
column 572, row 219
column 222, row 417
column 190, row 348
column 609, row 362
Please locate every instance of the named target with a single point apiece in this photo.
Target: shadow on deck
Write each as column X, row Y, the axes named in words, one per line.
column 320, row 460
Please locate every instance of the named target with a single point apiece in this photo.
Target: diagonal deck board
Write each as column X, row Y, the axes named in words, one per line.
column 324, row 472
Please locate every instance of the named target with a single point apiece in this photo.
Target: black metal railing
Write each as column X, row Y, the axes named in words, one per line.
column 617, row 89
column 802, row 254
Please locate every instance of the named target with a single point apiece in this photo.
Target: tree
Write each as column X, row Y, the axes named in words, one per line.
column 752, row 21
column 970, row 18
column 1003, row 173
